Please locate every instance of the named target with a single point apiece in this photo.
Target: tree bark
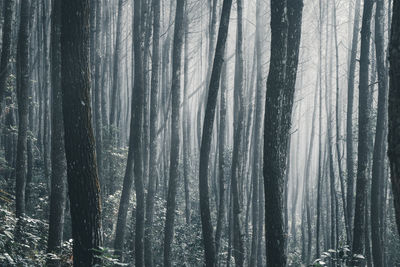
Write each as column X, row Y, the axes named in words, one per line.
column 148, row 254
column 363, row 126
column 58, row 162
column 23, row 106
column 5, row 48
column 394, row 109
column 83, row 183
column 209, row 117
column 379, row 146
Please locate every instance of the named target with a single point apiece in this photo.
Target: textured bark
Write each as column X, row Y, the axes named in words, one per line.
column 394, row 109
column 363, row 129
column 277, row 122
column 5, row 48
column 83, row 184
column 23, row 106
column 349, row 121
column 58, row 162
column 175, row 131
column 379, row 146
column 209, row 117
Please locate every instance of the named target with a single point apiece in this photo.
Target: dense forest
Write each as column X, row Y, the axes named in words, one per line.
column 200, row 133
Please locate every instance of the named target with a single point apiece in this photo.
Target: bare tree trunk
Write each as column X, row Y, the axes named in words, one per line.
column 83, row 183
column 363, row 125
column 58, row 162
column 23, row 106
column 148, row 250
column 208, row 238
column 394, row 109
column 379, row 147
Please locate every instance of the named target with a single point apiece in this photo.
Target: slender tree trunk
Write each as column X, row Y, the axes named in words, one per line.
column 58, row 162
column 394, row 109
column 379, row 147
column 83, row 183
column 363, row 125
column 209, row 116
column 5, row 48
column 148, row 250
column 23, row 106
column 349, row 121
column 175, row 131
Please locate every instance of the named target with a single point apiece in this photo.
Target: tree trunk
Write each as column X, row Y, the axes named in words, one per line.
column 394, row 109
column 148, row 255
column 209, row 116
column 83, row 184
column 175, row 131
column 58, row 163
column 23, row 106
column 5, row 48
column 279, row 102
column 379, row 147
column 363, row 126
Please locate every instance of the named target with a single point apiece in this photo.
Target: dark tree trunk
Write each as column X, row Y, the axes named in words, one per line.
column 83, row 183
column 379, row 147
column 363, row 129
column 5, row 48
column 58, row 163
column 394, row 109
column 209, row 117
column 175, row 131
column 349, row 121
column 148, row 250
column 285, row 41
column 23, row 106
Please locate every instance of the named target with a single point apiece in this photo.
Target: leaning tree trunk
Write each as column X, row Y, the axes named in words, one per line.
column 175, row 131
column 394, row 109
column 209, row 117
column 363, row 130
column 58, row 163
column 23, row 106
column 379, row 147
column 134, row 160
column 83, row 183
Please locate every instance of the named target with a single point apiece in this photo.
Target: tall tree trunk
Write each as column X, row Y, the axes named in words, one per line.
column 148, row 255
column 23, row 106
column 209, row 116
column 175, row 131
column 239, row 114
column 394, row 109
column 285, row 41
column 379, row 146
column 8, row 6
column 349, row 120
column 134, row 160
column 83, row 183
column 58, row 162
column 363, row 129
